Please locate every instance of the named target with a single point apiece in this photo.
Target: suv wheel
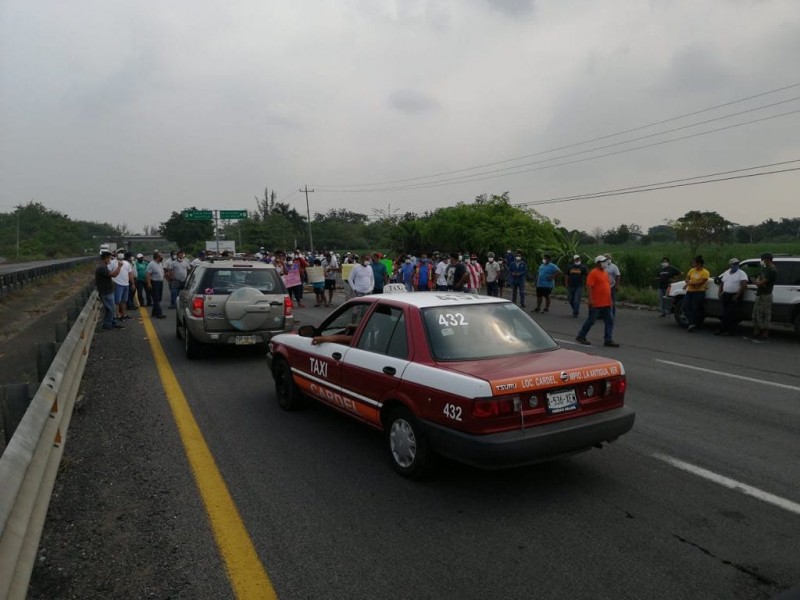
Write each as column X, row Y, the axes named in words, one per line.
column 190, row 345
column 289, row 397
column 797, row 322
column 177, row 327
column 408, row 448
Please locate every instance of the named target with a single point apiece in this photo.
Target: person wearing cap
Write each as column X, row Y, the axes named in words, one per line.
column 575, row 276
column 545, row 282
column 732, row 285
column 492, row 270
column 154, row 281
column 201, row 256
column 599, row 298
column 666, row 275
column 145, row 299
column 762, row 309
column 614, row 277
column 380, row 273
column 104, row 281
column 476, row 276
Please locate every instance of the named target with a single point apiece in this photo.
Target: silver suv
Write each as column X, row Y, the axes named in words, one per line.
column 785, row 294
column 234, row 301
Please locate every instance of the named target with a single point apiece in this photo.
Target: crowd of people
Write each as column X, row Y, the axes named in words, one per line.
column 123, row 282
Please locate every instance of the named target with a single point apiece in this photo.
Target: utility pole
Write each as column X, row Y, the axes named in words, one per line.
column 308, row 212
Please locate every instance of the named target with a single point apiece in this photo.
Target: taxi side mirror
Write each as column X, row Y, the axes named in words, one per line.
column 306, row 331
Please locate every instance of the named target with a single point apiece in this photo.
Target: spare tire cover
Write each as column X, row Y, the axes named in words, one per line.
column 247, row 309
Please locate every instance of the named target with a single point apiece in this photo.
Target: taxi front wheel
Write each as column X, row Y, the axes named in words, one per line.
column 289, row 397
column 408, row 449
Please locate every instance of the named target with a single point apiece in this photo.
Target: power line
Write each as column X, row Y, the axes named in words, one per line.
column 494, row 174
column 600, row 138
column 663, row 187
column 659, row 183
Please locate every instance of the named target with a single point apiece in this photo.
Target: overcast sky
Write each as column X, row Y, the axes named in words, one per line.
column 125, row 111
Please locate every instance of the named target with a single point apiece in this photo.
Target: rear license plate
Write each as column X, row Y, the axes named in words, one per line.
column 559, row 402
column 245, row 340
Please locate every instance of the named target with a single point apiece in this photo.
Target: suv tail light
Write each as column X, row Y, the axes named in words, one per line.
column 198, row 307
column 288, row 307
column 500, row 406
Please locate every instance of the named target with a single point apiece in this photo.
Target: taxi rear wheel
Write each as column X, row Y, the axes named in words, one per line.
column 408, row 449
column 289, row 397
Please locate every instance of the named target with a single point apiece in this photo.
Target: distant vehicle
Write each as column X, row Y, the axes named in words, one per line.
column 473, row 378
column 785, row 294
column 231, row 301
column 108, row 247
column 223, row 245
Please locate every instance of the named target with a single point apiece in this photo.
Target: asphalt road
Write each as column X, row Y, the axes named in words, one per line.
column 700, row 500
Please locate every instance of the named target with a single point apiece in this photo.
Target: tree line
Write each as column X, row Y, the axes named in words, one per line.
column 488, row 223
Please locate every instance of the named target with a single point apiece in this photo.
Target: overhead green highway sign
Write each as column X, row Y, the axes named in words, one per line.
column 198, row 215
column 232, row 214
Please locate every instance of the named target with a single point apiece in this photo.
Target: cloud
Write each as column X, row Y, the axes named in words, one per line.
column 412, row 102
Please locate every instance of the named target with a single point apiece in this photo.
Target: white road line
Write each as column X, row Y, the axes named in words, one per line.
column 731, row 483
column 731, row 375
column 571, row 343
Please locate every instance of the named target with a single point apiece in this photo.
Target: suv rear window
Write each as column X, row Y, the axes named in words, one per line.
column 226, row 281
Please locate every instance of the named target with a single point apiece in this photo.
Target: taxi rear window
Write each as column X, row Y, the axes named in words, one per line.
column 226, row 281
column 479, row 331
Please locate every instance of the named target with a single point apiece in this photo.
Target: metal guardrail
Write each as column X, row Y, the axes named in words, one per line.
column 14, row 279
column 29, row 464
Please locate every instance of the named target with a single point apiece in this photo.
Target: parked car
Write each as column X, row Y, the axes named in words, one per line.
column 236, row 302
column 470, row 377
column 785, row 294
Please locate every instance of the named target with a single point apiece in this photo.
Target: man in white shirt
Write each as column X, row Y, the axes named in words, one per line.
column 330, row 266
column 362, row 279
column 732, row 286
column 122, row 286
column 441, row 273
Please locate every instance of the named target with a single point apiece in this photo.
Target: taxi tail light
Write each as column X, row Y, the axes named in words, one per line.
column 198, row 307
column 615, row 386
column 499, row 406
column 288, row 307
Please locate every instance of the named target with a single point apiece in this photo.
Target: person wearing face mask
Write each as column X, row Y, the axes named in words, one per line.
column 407, row 273
column 762, row 309
column 517, row 273
column 362, row 279
column 492, row 270
column 441, row 273
column 545, row 282
column 422, row 279
column 599, row 298
column 379, row 273
column 145, row 299
column 665, row 275
column 732, row 285
column 475, row 274
column 576, row 275
column 696, row 284
column 614, row 277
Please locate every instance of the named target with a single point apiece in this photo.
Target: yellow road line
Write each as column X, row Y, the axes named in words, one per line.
column 245, row 571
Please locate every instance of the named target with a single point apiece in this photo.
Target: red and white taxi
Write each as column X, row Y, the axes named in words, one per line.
column 470, row 377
